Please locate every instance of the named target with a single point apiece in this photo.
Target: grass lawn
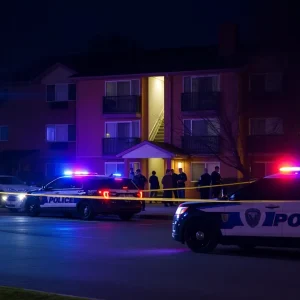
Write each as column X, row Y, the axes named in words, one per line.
column 14, row 293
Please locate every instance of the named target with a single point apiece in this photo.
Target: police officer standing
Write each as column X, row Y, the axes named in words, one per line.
column 205, row 180
column 140, row 180
column 216, row 179
column 175, row 185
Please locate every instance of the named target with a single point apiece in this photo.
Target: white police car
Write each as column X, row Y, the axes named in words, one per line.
column 77, row 185
column 274, row 222
column 12, row 184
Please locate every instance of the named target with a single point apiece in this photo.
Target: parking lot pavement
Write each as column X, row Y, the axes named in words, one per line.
column 153, row 211
column 111, row 259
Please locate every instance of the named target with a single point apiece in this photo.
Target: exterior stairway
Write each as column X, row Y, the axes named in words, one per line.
column 160, row 136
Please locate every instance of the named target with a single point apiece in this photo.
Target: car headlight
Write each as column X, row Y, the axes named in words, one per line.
column 21, row 197
column 4, row 197
column 180, row 210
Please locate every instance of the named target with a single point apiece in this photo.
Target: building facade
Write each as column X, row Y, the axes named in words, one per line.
column 156, row 121
column 270, row 112
column 37, row 125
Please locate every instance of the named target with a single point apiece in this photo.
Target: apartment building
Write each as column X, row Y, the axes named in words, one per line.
column 37, row 123
column 155, row 121
column 270, row 112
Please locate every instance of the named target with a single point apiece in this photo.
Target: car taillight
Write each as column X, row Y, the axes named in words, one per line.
column 140, row 194
column 104, row 194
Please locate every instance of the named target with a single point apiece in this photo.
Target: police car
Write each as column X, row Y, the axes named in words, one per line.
column 12, row 184
column 274, row 222
column 76, row 185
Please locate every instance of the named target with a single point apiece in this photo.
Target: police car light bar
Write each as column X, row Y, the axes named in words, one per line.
column 76, row 173
column 289, row 169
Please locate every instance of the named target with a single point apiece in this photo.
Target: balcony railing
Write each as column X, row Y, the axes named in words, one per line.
column 113, row 146
column 201, row 144
column 269, row 144
column 121, row 104
column 200, row 101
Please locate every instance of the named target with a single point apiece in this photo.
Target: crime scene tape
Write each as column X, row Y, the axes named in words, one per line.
column 182, row 200
column 201, row 187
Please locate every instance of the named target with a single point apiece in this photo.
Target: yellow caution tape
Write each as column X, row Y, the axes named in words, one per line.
column 151, row 199
column 201, row 187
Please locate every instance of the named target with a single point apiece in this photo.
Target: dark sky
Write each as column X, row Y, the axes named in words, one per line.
column 33, row 29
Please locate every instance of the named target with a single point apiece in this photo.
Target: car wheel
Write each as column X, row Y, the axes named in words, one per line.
column 33, row 209
column 247, row 247
column 125, row 216
column 86, row 211
column 201, row 239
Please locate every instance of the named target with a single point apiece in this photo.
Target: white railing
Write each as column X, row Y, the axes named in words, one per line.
column 156, row 126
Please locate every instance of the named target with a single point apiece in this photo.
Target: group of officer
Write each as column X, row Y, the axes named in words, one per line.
column 206, row 180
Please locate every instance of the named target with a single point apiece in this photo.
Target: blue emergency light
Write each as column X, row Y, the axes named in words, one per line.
column 117, row 174
column 68, row 173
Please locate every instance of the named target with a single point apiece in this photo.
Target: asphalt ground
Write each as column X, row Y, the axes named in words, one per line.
column 111, row 259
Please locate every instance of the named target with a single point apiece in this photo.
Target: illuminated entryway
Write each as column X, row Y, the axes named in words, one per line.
column 157, row 156
column 156, row 97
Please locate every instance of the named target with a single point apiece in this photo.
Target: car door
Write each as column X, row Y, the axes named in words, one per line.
column 291, row 210
column 256, row 216
column 68, row 195
column 234, row 220
column 54, row 199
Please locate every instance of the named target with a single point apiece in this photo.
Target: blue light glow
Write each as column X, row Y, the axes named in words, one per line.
column 117, row 174
column 68, row 172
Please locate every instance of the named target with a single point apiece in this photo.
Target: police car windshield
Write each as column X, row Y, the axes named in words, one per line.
column 10, row 180
column 111, row 183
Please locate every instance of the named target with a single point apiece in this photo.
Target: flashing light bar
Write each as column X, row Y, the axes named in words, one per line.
column 67, row 172
column 117, row 174
column 289, row 169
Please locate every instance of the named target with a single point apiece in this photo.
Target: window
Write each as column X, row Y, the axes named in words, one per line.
column 209, row 127
column 61, row 92
column 122, row 88
column 201, row 84
column 197, row 169
column 135, row 165
column 61, row 133
column 65, row 183
column 266, row 126
column 122, row 129
column 267, row 82
column 3, row 133
column 114, row 167
column 57, row 169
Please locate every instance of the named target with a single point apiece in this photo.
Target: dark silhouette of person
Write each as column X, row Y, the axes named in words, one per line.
column 205, row 180
column 216, row 179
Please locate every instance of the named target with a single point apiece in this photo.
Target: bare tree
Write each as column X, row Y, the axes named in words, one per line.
column 228, row 132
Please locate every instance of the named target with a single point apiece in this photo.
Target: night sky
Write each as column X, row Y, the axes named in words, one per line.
column 31, row 29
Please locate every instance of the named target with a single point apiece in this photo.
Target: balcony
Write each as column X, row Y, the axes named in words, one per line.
column 121, row 104
column 114, row 146
column 270, row 144
column 201, row 144
column 200, row 101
